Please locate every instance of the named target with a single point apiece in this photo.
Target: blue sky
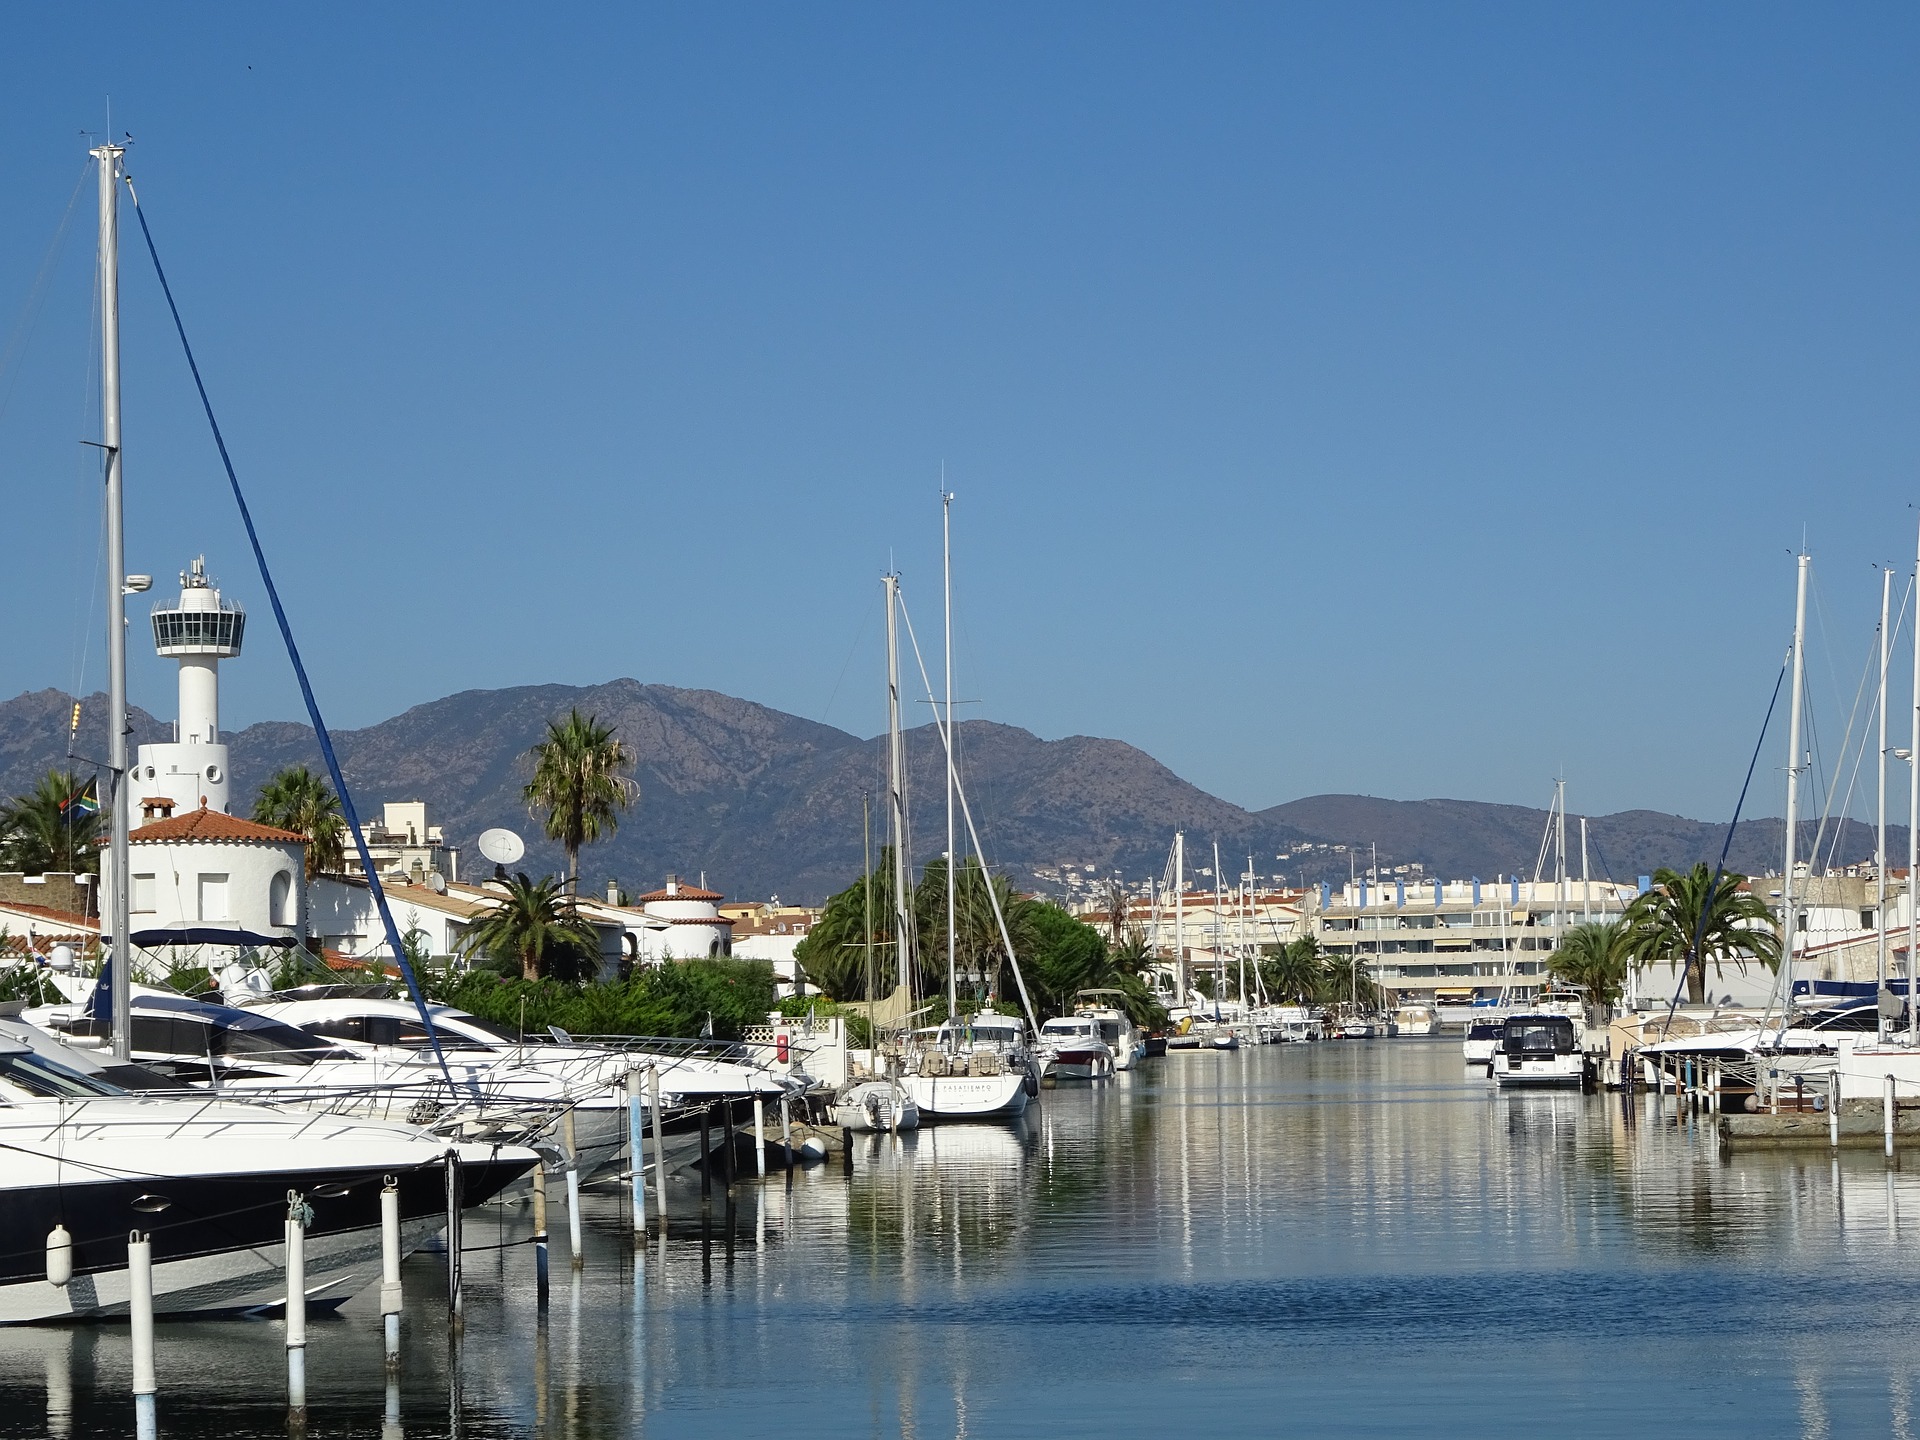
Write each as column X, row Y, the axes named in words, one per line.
column 1410, row 400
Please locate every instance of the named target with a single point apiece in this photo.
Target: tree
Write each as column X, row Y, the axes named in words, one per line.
column 296, row 799
column 535, row 923
column 978, row 946
column 1067, row 956
column 834, row 953
column 1594, row 958
column 52, row 827
column 1689, row 920
column 1344, row 980
column 1115, row 901
column 1295, row 973
column 578, row 781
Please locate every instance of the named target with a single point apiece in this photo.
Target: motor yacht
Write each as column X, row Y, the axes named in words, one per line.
column 1125, row 1039
column 1071, row 1048
column 1483, row 1039
column 1539, row 1050
column 1413, row 1020
column 208, row 1181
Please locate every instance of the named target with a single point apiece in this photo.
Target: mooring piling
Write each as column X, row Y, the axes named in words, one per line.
column 659, row 1149
column 540, row 1260
column 140, row 1324
column 454, row 1298
column 637, row 1153
column 391, row 1300
column 296, row 1307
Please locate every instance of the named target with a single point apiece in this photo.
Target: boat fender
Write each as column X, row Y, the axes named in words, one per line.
column 59, row 1256
column 813, row 1148
column 1031, row 1084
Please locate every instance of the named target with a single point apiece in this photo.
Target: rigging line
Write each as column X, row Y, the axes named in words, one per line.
column 351, row 815
column 866, row 619
column 1720, row 869
column 960, row 791
column 36, row 296
column 82, row 454
column 1860, row 756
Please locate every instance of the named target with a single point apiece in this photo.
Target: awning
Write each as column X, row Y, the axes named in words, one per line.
column 202, row 935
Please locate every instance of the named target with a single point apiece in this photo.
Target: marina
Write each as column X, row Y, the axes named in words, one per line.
column 1210, row 1236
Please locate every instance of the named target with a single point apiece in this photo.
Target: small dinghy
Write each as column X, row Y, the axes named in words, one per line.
column 875, row 1107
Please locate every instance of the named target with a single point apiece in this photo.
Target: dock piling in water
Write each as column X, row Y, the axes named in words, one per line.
column 659, row 1149
column 759, row 1137
column 540, row 1258
column 297, row 1214
column 1886, row 1115
column 140, row 1324
column 1833, row 1110
column 390, row 1294
column 454, row 1207
column 637, row 1155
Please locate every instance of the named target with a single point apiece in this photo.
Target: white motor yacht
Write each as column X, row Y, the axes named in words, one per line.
column 1127, row 1041
column 1413, row 1020
column 591, row 1077
column 1539, row 1050
column 208, row 1181
column 1070, row 1047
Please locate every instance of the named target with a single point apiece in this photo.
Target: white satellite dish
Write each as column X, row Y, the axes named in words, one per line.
column 502, row 847
column 436, row 882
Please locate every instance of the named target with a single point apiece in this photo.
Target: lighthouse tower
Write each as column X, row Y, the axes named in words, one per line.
column 199, row 630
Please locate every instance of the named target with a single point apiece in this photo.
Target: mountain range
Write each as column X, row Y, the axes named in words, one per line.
column 764, row 803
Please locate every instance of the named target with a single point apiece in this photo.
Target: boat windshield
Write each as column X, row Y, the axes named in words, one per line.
column 1486, row 1030
column 42, row 1077
column 1538, row 1035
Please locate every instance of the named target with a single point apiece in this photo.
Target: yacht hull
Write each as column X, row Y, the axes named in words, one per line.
column 966, row 1097
column 218, row 1242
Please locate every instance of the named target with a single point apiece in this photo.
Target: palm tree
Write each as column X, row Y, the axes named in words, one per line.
column 51, row 827
column 1594, row 958
column 577, row 780
column 534, row 923
column 1691, row 919
column 296, row 799
column 1295, row 973
column 1344, row 980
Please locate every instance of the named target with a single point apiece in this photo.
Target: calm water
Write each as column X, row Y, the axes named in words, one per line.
column 1339, row 1239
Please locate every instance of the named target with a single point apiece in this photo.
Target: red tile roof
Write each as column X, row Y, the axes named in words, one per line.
column 682, row 892
column 205, row 824
column 47, row 912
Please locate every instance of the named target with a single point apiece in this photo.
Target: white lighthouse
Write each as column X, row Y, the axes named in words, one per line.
column 199, row 631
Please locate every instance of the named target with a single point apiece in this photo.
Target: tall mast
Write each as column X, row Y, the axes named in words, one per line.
column 866, row 889
column 1880, row 837
column 1586, row 879
column 1913, row 827
column 953, row 873
column 120, row 956
column 1219, row 939
column 897, row 793
column 1560, row 861
column 1787, row 932
column 1180, row 906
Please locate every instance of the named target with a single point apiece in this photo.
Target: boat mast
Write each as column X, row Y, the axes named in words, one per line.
column 1180, row 906
column 953, row 874
column 1913, row 826
column 866, row 893
column 1880, row 835
column 1586, row 879
column 1219, row 939
column 1787, row 934
column 1560, row 861
column 120, row 957
column 897, row 794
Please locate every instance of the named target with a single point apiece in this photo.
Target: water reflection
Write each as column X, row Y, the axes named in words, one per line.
column 1362, row 1228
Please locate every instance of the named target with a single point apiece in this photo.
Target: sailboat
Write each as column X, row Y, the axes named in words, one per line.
column 970, row 1067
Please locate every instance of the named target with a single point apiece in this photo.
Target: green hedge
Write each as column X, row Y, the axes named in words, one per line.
column 672, row 999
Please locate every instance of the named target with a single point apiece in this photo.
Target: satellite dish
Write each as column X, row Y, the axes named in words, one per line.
column 61, row 959
column 502, row 847
column 436, row 882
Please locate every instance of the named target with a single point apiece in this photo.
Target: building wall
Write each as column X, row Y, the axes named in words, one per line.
column 224, row 883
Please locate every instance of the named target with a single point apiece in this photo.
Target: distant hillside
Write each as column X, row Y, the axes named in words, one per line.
column 764, row 802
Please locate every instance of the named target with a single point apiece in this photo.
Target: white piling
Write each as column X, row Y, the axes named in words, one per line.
column 1833, row 1110
column 456, row 1205
column 296, row 1308
column 140, row 1318
column 1886, row 1115
column 760, row 1137
column 637, row 1154
column 390, row 1300
column 659, row 1149
column 390, row 1421
column 786, row 1127
column 573, row 1213
column 540, row 1260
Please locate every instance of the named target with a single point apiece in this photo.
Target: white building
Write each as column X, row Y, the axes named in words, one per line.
column 404, row 846
column 204, row 870
column 199, row 631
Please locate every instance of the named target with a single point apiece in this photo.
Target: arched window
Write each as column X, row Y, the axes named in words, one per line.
column 280, row 899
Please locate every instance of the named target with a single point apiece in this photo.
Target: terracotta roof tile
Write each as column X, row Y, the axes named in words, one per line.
column 205, row 824
column 683, row 892
column 47, row 912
